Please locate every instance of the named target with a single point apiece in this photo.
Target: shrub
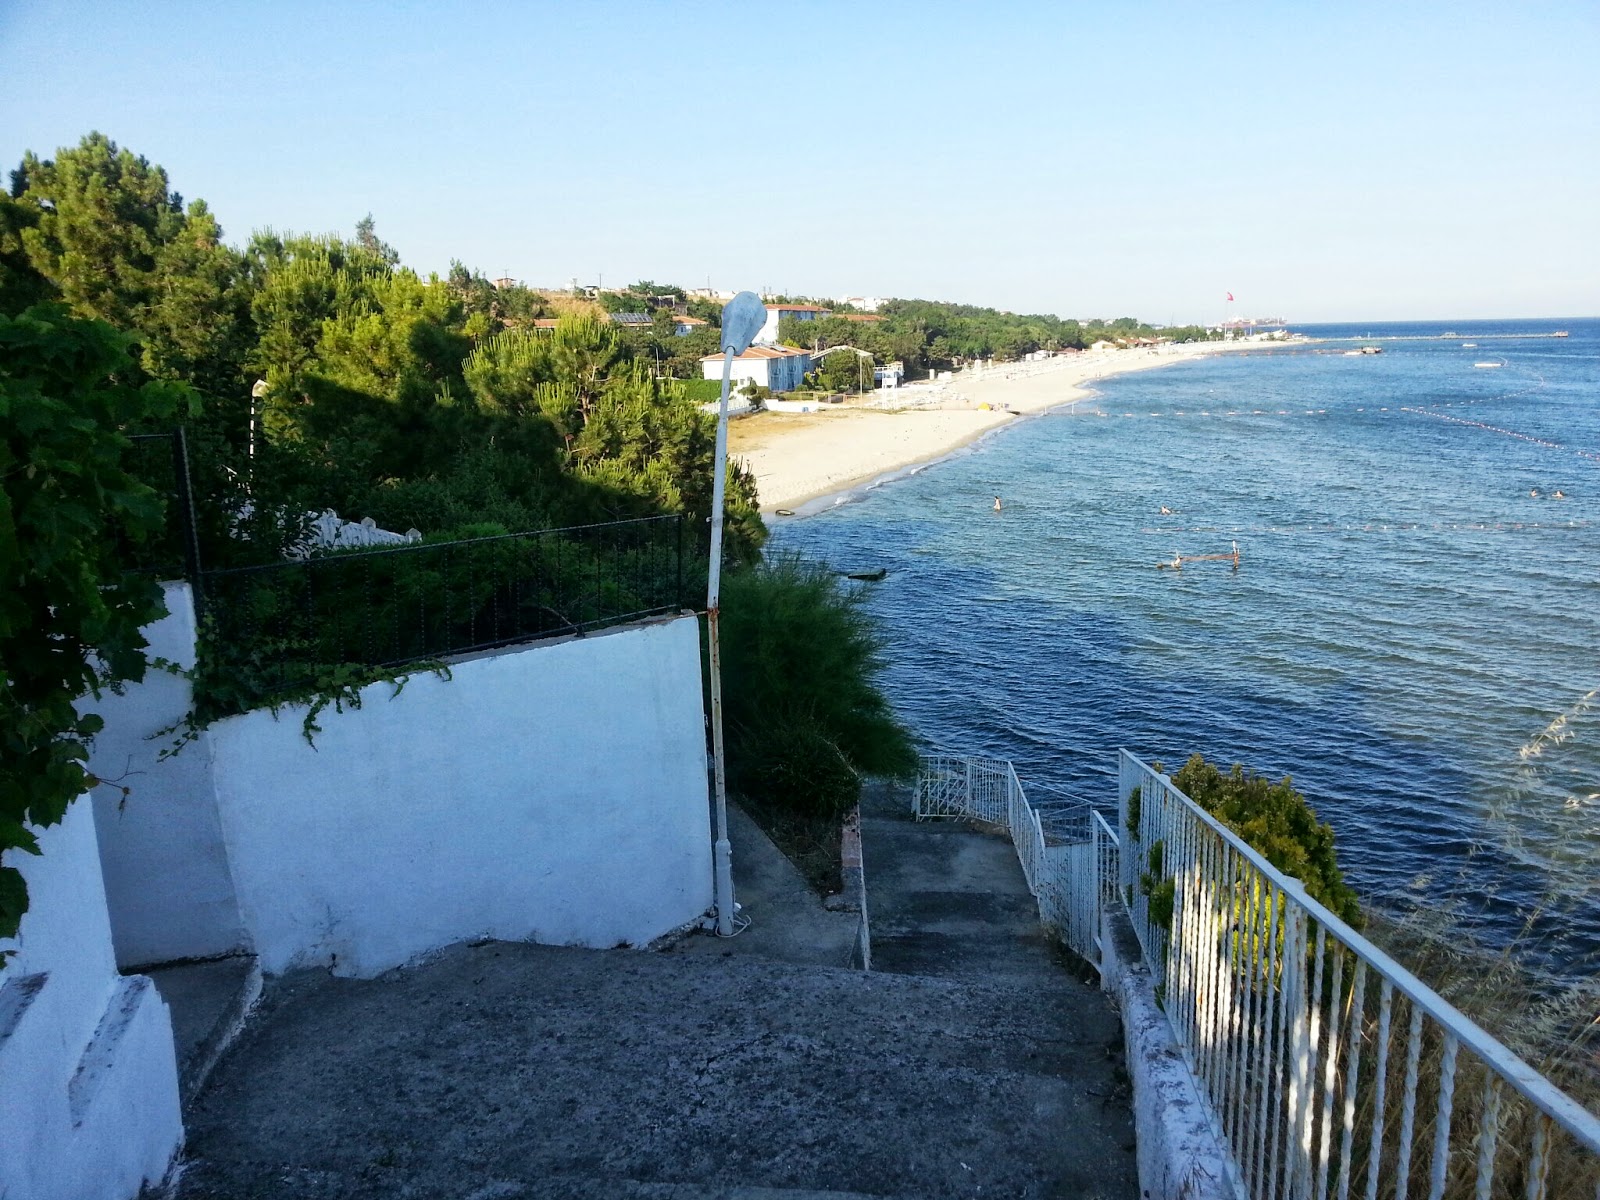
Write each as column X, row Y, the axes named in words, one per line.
column 801, row 706
column 1275, row 820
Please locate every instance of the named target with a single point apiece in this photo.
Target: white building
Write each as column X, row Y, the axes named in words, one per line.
column 777, row 312
column 891, row 375
column 777, row 368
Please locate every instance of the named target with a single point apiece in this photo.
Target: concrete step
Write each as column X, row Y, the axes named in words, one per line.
column 201, row 1182
column 210, row 1002
column 511, row 1062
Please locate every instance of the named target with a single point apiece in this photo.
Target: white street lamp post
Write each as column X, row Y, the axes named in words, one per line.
column 742, row 318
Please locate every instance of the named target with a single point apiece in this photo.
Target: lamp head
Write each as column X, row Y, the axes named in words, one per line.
column 742, row 319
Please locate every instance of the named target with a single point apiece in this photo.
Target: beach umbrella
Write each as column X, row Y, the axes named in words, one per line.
column 742, row 319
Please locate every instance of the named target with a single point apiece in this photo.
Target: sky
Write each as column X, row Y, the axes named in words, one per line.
column 1320, row 162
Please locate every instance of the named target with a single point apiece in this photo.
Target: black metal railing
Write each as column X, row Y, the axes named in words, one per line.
column 287, row 628
column 161, row 461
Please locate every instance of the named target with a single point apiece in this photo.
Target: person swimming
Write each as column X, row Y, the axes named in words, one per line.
column 997, row 504
column 1534, row 492
column 1559, row 494
column 1165, row 511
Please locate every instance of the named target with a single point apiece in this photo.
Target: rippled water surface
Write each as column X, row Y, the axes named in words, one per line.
column 1414, row 635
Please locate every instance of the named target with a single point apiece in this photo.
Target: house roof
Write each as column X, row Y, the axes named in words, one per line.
column 689, row 320
column 761, row 352
column 795, row 308
column 630, row 318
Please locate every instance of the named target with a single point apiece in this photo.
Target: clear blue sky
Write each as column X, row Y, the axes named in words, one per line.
column 1324, row 162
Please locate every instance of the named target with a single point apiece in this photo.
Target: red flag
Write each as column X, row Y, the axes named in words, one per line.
column 1230, row 297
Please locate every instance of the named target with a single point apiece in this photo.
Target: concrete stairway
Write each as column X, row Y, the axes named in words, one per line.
column 504, row 1070
column 209, row 1002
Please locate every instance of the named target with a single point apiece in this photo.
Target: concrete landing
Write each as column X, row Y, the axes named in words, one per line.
column 509, row 1070
column 787, row 920
column 950, row 901
column 209, row 1002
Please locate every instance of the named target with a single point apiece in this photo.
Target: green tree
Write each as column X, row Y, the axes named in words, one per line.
column 21, row 285
column 1276, row 820
column 70, row 614
column 103, row 215
column 845, row 371
column 805, row 716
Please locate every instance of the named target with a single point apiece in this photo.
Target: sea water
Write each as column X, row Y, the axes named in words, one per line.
column 1413, row 633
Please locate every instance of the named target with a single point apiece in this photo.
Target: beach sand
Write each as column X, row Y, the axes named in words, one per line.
column 798, row 457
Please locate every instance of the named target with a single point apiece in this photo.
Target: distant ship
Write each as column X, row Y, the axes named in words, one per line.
column 1487, row 365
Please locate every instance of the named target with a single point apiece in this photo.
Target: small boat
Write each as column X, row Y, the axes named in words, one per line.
column 1372, row 349
column 868, row 576
column 1561, row 333
column 784, row 512
column 1469, row 345
column 1487, row 366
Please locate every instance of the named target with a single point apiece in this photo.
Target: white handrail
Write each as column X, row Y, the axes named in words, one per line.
column 1560, row 1107
column 1252, row 971
column 1269, row 996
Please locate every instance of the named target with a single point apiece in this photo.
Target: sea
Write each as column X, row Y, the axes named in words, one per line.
column 1412, row 633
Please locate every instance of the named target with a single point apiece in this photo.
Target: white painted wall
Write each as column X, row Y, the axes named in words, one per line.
column 555, row 793
column 88, row 1080
column 743, row 369
column 167, row 882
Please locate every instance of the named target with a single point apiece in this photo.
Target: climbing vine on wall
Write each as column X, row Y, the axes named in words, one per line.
column 70, row 615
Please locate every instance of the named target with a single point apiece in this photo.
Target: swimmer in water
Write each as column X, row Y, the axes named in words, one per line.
column 1165, row 511
column 1534, row 492
column 1560, row 495
column 997, row 504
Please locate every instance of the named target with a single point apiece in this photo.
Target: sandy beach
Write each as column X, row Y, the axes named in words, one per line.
column 799, row 457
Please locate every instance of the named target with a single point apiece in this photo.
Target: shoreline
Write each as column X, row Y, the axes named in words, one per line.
column 813, row 461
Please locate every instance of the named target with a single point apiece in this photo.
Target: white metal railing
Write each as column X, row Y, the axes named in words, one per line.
column 1063, row 870
column 1329, row 1069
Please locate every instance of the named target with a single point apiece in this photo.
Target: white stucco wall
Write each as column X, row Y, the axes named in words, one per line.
column 743, row 369
column 88, row 1080
column 555, row 793
column 167, row 881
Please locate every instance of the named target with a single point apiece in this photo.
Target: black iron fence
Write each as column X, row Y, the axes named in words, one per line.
column 288, row 628
column 161, row 461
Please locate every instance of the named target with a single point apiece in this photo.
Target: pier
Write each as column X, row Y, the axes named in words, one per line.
column 1177, row 560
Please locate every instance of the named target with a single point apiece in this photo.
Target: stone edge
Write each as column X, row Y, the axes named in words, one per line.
column 1180, row 1156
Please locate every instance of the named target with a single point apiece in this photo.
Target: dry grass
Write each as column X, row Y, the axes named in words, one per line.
column 1551, row 1023
column 811, row 843
column 565, row 304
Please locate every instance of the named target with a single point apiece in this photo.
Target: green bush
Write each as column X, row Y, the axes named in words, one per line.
column 802, row 710
column 1275, row 820
column 703, row 391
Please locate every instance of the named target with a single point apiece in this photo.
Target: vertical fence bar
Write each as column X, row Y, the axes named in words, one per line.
column 1330, row 1069
column 1441, row 1121
column 1408, row 1104
column 1352, row 1077
column 1488, row 1137
column 188, row 529
column 1381, row 1087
